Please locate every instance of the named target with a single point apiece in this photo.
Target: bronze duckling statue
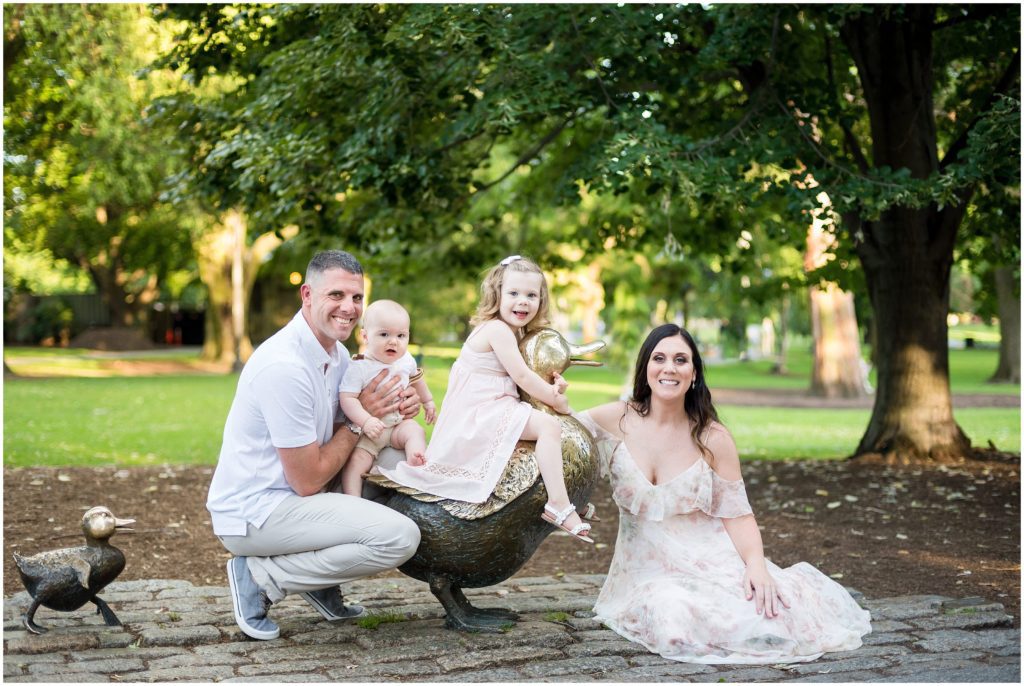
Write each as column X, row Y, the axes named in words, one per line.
column 471, row 545
column 68, row 578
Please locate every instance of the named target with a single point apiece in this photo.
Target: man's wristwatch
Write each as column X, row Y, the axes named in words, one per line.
column 354, row 428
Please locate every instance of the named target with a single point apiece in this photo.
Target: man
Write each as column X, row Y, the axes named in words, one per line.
column 271, row 497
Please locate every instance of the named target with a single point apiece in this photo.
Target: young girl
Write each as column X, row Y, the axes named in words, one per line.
column 482, row 417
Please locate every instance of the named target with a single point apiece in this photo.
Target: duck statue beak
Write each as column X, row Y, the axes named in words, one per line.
column 577, row 351
column 123, row 524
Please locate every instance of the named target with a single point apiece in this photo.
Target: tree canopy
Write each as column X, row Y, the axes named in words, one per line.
column 387, row 125
column 83, row 171
column 408, row 104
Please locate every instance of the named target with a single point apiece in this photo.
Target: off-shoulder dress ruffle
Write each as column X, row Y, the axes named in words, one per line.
column 675, row 581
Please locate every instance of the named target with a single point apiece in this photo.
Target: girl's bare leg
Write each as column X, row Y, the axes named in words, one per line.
column 352, row 473
column 410, row 437
column 547, row 431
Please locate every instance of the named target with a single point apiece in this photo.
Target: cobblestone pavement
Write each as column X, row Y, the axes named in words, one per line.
column 174, row 631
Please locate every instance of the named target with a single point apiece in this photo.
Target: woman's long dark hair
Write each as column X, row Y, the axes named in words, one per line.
column 697, row 401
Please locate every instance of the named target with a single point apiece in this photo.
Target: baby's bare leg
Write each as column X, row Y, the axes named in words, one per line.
column 352, row 473
column 409, row 436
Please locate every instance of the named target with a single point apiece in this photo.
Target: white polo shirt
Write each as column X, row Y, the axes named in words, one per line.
column 287, row 397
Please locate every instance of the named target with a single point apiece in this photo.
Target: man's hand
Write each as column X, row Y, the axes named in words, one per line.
column 410, row 405
column 380, row 397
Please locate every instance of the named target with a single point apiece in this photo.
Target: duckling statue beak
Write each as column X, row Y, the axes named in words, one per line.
column 123, row 524
column 577, row 351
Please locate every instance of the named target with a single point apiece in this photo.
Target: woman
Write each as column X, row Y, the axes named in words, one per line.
column 689, row 579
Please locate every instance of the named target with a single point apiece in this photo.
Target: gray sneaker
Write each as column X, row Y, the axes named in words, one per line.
column 250, row 602
column 329, row 603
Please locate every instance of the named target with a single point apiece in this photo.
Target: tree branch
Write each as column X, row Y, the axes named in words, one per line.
column 607, row 98
column 947, row 223
column 864, row 243
column 980, row 13
column 530, row 154
column 851, row 140
column 948, row 220
column 1002, row 86
column 770, row 67
column 457, row 142
column 825, row 158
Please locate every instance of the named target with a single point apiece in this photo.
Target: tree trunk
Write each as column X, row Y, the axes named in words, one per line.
column 108, row 286
column 837, row 370
column 589, row 298
column 215, row 254
column 906, row 253
column 912, row 417
column 1008, row 297
column 234, row 223
column 126, row 306
column 780, row 362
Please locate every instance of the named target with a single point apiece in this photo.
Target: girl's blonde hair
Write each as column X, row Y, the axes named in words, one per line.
column 490, row 293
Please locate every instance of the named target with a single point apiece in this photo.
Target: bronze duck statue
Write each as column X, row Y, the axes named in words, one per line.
column 471, row 545
column 68, row 578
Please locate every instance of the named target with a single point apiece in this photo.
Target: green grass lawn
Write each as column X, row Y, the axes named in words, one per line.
column 982, row 333
column 179, row 419
column 969, row 370
column 115, row 421
column 784, row 433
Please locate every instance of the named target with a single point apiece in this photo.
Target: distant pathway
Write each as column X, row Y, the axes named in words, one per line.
column 800, row 398
column 175, row 631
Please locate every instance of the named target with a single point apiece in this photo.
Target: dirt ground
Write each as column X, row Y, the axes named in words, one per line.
column 947, row 530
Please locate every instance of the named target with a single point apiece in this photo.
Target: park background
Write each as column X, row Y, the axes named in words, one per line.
column 826, row 196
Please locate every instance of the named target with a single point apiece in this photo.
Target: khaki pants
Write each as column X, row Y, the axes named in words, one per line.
column 318, row 541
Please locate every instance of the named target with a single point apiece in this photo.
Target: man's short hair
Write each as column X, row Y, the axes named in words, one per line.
column 325, row 260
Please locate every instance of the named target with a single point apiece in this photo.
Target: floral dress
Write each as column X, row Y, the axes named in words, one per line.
column 675, row 582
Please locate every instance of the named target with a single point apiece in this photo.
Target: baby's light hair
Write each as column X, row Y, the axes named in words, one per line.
column 490, row 293
column 382, row 308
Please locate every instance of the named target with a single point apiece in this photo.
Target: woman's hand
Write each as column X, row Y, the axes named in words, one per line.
column 759, row 586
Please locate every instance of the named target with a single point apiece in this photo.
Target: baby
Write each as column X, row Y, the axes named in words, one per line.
column 385, row 331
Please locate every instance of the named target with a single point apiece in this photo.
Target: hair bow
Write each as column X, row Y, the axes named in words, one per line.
column 510, row 259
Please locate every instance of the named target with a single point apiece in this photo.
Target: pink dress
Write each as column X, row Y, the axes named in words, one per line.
column 675, row 581
column 480, row 423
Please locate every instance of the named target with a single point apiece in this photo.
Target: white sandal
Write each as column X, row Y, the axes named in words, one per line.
column 553, row 516
column 589, row 513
